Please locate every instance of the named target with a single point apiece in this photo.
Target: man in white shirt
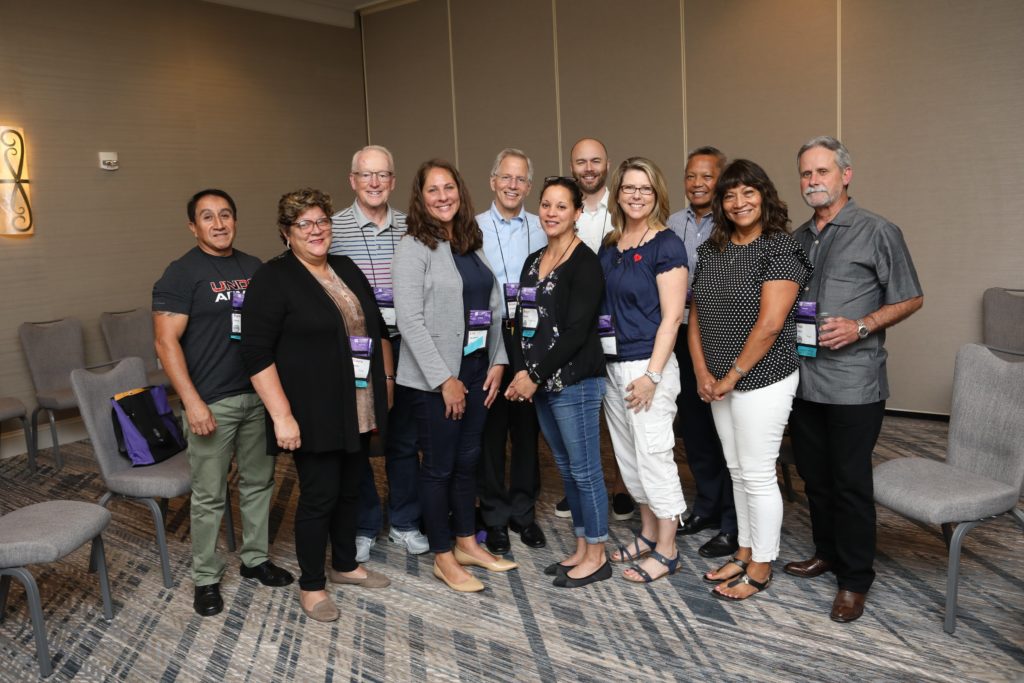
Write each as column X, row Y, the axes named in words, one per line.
column 511, row 234
column 589, row 159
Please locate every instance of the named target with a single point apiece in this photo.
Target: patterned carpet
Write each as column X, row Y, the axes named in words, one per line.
column 520, row 628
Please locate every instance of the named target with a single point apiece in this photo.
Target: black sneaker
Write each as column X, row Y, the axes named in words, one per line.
column 622, row 507
column 562, row 508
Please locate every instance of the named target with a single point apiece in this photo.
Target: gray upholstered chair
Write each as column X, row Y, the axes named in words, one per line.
column 168, row 479
column 13, row 409
column 53, row 349
column 47, row 532
column 130, row 333
column 1003, row 318
column 984, row 468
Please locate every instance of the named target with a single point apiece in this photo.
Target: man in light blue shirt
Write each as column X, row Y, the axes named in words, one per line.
column 510, row 235
column 714, row 505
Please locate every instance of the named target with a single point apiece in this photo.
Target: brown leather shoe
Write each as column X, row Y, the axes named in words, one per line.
column 848, row 606
column 808, row 569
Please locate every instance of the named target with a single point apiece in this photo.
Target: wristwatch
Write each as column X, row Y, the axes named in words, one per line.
column 653, row 376
column 862, row 329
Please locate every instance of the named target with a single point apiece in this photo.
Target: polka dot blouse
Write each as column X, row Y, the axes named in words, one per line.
column 727, row 288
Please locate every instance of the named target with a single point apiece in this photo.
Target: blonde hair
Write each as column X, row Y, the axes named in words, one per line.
column 660, row 210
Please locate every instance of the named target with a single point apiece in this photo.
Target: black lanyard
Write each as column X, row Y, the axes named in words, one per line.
column 366, row 243
column 497, row 236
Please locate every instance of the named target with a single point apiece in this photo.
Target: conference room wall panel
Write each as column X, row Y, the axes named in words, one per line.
column 761, row 80
column 932, row 95
column 620, row 75
column 190, row 95
column 406, row 52
column 505, row 90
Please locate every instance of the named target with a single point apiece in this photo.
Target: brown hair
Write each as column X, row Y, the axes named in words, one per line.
column 294, row 204
column 466, row 234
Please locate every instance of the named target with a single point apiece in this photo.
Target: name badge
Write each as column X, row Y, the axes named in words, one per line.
column 686, row 311
column 606, row 331
column 531, row 318
column 476, row 339
column 806, row 328
column 511, row 299
column 385, row 297
column 237, row 299
column 362, row 351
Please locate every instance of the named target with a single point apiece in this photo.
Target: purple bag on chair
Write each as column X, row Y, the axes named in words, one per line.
column 147, row 431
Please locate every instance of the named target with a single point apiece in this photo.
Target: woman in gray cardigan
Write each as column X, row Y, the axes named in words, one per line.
column 448, row 307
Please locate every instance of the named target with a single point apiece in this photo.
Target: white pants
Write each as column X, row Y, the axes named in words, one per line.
column 643, row 441
column 750, row 426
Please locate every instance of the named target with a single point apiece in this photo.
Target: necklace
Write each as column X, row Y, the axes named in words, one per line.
column 635, row 246
column 564, row 252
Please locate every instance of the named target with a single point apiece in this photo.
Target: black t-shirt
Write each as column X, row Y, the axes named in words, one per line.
column 199, row 285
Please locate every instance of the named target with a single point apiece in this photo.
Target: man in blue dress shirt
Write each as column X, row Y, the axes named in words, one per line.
column 510, row 235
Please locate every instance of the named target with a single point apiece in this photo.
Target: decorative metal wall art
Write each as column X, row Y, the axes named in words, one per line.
column 15, row 198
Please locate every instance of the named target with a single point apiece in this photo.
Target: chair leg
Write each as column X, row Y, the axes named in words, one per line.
column 229, row 520
column 953, row 574
column 34, row 448
column 27, row 428
column 98, row 559
column 57, row 457
column 161, row 538
column 35, row 611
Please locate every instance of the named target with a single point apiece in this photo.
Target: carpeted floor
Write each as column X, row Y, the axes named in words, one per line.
column 521, row 628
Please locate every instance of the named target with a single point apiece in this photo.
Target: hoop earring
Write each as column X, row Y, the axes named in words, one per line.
column 287, row 243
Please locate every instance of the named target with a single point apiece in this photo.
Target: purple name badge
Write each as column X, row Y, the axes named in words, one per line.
column 237, row 298
column 511, row 291
column 361, row 346
column 385, row 296
column 479, row 320
column 528, row 296
column 806, row 309
column 604, row 325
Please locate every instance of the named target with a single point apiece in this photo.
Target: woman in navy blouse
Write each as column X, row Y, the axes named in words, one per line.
column 743, row 346
column 561, row 368
column 645, row 275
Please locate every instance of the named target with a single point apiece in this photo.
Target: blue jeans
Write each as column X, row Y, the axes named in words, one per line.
column 570, row 420
column 402, row 464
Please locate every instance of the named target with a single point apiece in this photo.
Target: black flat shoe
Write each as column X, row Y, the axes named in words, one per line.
column 497, row 540
column 622, row 507
column 721, row 545
column 602, row 573
column 531, row 535
column 207, row 601
column 557, row 568
column 694, row 524
column 268, row 573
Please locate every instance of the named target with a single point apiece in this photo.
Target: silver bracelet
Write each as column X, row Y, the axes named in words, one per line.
column 740, row 371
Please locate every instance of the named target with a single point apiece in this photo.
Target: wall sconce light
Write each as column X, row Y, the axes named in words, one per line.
column 15, row 199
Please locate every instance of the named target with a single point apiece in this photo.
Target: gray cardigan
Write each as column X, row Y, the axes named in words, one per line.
column 430, row 315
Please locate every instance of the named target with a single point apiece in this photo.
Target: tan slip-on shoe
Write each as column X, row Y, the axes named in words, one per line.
column 470, row 585
column 500, row 564
column 372, row 580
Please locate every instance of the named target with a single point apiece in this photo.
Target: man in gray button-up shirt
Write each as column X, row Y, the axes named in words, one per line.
column 864, row 282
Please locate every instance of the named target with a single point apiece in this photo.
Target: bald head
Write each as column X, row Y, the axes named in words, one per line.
column 589, row 160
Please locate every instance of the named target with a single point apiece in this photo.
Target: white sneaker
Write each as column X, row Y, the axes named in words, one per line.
column 415, row 543
column 363, row 545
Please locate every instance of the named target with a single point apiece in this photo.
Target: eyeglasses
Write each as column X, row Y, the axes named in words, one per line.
column 507, row 179
column 645, row 190
column 365, row 176
column 305, row 226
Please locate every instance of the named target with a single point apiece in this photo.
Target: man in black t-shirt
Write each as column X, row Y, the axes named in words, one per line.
column 197, row 324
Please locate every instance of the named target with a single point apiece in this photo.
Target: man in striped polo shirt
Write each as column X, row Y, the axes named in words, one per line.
column 368, row 232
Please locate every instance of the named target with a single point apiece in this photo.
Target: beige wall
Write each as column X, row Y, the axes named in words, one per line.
column 189, row 94
column 926, row 94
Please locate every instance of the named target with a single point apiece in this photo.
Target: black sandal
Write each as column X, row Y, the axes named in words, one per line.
column 759, row 585
column 636, row 554
column 736, row 561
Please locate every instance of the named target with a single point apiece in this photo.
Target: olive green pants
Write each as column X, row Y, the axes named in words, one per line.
column 240, row 433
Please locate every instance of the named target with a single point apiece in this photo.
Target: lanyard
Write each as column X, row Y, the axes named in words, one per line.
column 366, row 243
column 501, row 252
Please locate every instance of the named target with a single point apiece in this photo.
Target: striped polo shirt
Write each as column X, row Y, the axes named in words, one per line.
column 371, row 246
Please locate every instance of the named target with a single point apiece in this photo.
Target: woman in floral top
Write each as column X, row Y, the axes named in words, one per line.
column 561, row 368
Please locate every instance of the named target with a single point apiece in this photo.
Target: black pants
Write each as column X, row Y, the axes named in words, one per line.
column 328, row 509
column 832, row 445
column 703, row 450
column 506, row 420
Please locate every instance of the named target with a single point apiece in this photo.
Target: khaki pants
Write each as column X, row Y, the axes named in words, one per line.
column 241, row 433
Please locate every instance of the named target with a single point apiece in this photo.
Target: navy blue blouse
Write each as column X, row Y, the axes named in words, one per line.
column 631, row 290
column 477, row 280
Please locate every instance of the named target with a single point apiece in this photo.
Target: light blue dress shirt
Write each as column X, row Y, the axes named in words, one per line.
column 507, row 243
column 692, row 232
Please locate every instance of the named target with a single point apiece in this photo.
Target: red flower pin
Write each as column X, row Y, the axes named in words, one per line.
column 637, row 258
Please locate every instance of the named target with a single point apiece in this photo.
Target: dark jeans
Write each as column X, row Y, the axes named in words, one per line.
column 451, row 453
column 516, row 421
column 832, row 445
column 402, row 464
column 703, row 450
column 572, row 427
column 327, row 509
